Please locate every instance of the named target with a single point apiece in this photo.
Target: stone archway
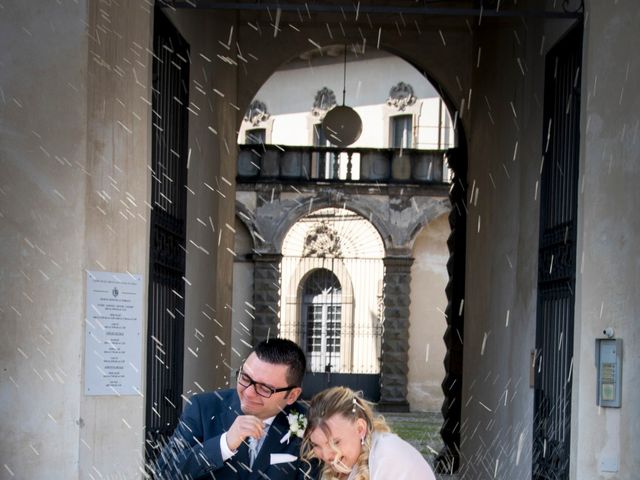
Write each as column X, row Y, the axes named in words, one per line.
column 397, row 262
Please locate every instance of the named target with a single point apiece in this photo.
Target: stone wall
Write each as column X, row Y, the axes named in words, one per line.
column 427, row 322
column 210, row 215
column 609, row 226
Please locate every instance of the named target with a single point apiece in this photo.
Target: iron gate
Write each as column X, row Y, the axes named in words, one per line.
column 328, row 332
column 557, row 260
column 168, row 228
column 331, row 300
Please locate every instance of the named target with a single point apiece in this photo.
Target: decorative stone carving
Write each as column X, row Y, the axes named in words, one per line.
column 324, row 101
column 322, row 241
column 257, row 113
column 401, row 96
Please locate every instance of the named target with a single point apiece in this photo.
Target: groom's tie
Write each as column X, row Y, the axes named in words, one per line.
column 253, row 450
column 255, row 444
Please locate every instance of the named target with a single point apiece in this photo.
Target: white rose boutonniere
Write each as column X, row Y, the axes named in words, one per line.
column 297, row 426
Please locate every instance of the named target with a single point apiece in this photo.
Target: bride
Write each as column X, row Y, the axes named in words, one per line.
column 352, row 444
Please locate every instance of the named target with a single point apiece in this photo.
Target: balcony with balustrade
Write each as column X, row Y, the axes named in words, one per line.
column 348, row 168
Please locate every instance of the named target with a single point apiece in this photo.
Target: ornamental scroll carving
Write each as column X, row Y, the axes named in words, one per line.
column 324, row 101
column 401, row 96
column 322, row 241
column 257, row 113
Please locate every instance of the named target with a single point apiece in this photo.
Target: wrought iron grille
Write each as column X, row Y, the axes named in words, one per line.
column 331, row 280
column 168, row 227
column 557, row 260
column 338, row 337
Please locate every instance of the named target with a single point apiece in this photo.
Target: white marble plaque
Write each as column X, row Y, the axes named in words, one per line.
column 113, row 339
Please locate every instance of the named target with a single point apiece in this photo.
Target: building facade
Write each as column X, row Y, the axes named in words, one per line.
column 77, row 195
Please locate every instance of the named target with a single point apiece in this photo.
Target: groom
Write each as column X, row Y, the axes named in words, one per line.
column 247, row 432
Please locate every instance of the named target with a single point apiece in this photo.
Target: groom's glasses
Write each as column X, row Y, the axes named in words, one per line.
column 261, row 389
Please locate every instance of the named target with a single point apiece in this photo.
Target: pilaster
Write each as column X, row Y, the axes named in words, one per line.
column 395, row 336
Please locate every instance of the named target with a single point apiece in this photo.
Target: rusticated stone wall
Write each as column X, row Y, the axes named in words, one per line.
column 395, row 336
column 266, row 296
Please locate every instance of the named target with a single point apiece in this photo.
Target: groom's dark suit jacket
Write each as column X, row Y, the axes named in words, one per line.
column 193, row 452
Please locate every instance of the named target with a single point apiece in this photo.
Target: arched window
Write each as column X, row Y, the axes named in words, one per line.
column 321, row 320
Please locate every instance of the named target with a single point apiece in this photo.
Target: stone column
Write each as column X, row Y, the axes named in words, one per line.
column 395, row 336
column 266, row 296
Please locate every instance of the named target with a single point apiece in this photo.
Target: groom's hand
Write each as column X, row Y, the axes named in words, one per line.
column 244, row 426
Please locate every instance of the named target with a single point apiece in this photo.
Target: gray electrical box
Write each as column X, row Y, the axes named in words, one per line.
column 609, row 367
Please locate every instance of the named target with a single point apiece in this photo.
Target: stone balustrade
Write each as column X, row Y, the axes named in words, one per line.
column 259, row 162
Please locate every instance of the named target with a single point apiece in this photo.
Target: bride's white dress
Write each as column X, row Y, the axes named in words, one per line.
column 391, row 458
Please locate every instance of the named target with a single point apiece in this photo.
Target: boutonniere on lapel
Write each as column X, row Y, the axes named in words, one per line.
column 297, row 426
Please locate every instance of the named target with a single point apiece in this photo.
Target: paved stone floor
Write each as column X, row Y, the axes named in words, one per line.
column 422, row 430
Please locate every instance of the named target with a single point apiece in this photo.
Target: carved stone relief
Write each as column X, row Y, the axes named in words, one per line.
column 324, row 101
column 401, row 96
column 257, row 113
column 322, row 241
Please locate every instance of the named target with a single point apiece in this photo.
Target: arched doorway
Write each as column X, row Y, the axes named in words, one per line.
column 331, row 298
column 321, row 320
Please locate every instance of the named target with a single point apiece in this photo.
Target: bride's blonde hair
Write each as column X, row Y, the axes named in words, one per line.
column 349, row 404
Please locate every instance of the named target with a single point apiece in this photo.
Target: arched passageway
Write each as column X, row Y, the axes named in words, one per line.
column 78, row 196
column 400, row 109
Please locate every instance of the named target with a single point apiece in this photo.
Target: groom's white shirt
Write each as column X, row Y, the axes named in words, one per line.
column 227, row 453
